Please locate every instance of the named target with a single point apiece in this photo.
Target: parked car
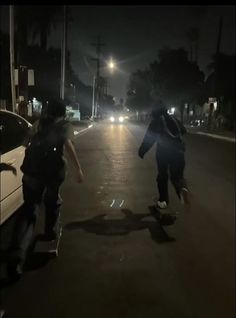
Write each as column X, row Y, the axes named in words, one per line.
column 13, row 132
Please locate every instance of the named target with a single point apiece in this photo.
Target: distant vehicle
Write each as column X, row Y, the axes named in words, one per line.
column 118, row 118
column 13, row 131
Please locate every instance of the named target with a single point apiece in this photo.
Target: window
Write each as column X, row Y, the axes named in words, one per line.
column 13, row 131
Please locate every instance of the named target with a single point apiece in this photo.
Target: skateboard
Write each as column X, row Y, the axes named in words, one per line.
column 166, row 216
column 49, row 247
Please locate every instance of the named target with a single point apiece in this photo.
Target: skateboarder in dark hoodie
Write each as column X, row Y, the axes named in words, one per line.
column 167, row 131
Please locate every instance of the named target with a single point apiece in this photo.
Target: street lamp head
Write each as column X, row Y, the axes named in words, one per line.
column 111, row 65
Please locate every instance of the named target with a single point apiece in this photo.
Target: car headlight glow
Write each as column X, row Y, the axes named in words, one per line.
column 121, row 119
column 112, row 119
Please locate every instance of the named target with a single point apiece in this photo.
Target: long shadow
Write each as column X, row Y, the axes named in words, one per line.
column 101, row 226
column 130, row 223
column 34, row 261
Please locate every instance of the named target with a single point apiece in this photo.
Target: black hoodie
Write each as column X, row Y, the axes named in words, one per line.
column 165, row 130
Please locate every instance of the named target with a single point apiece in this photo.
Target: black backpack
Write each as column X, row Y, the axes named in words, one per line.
column 171, row 132
column 44, row 154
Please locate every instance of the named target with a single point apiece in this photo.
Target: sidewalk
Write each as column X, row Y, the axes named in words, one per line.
column 219, row 134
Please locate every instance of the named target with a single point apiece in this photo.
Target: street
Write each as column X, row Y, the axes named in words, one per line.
column 115, row 259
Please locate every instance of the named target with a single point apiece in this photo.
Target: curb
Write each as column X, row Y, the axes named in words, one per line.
column 230, row 139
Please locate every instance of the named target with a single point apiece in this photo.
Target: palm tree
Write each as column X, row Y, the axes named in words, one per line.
column 193, row 37
column 44, row 18
column 34, row 21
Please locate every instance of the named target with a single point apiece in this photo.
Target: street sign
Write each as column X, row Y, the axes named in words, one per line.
column 30, row 77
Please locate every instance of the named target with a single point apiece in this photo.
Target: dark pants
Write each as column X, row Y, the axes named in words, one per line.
column 34, row 192
column 170, row 161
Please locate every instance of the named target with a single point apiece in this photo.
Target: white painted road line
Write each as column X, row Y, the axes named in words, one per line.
column 122, row 202
column 77, row 133
column 113, row 201
column 216, row 136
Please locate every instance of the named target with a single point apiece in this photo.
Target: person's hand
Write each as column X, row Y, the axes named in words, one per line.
column 80, row 176
column 8, row 167
column 14, row 171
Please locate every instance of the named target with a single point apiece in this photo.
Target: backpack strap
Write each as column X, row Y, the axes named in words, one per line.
column 167, row 130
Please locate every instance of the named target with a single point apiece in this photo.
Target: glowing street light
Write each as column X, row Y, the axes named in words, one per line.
column 111, row 65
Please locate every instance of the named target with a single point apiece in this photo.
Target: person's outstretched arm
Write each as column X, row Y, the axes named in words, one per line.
column 148, row 140
column 70, row 149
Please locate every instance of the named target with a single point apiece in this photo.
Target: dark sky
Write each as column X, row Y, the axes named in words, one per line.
column 134, row 34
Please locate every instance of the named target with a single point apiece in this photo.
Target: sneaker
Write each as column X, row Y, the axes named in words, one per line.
column 162, row 204
column 184, row 196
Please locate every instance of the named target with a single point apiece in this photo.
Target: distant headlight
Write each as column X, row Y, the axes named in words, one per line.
column 121, row 119
column 112, row 119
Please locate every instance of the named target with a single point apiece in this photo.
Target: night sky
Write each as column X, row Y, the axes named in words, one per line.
column 134, row 34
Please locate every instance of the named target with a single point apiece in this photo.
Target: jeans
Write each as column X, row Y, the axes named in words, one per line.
column 170, row 161
column 34, row 192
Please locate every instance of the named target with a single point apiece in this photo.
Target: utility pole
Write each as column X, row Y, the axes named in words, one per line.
column 216, row 79
column 217, row 75
column 93, row 98
column 12, row 59
column 106, row 85
column 98, row 45
column 218, row 54
column 219, row 36
column 63, row 53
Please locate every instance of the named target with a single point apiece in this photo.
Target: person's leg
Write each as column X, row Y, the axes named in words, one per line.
column 177, row 165
column 25, row 222
column 162, row 177
column 52, row 202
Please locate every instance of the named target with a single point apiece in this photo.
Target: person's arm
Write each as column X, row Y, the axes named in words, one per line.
column 31, row 132
column 148, row 140
column 7, row 167
column 183, row 130
column 70, row 150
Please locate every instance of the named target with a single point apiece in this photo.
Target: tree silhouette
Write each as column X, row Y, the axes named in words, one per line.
column 43, row 20
column 176, row 79
column 221, row 84
column 138, row 90
column 172, row 77
column 193, row 37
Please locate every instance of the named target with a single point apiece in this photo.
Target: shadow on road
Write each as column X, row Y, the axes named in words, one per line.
column 130, row 223
column 34, row 261
column 101, row 225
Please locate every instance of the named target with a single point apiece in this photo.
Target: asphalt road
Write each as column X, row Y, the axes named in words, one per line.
column 115, row 259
